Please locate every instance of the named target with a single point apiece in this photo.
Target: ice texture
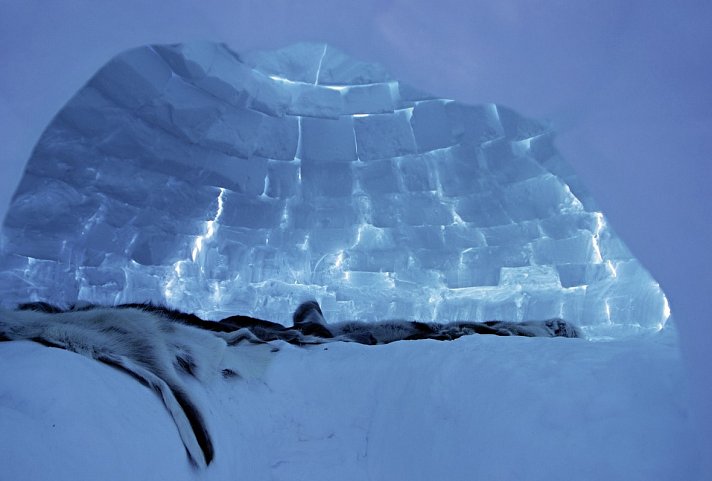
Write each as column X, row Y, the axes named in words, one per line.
column 220, row 183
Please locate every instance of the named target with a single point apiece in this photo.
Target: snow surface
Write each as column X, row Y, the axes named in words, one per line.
column 480, row 407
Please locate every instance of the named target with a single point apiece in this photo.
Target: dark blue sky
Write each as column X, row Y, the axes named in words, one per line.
column 627, row 85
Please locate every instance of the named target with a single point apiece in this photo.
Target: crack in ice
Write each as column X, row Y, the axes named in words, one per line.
column 211, row 228
column 318, row 69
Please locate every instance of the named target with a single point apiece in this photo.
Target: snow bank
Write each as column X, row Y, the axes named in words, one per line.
column 479, row 407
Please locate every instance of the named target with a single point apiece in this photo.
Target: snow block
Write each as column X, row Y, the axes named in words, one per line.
column 368, row 99
column 327, row 139
column 336, row 68
column 417, row 173
column 133, row 78
column 458, row 170
column 431, row 126
column 378, row 177
column 380, row 136
column 326, row 179
column 242, row 210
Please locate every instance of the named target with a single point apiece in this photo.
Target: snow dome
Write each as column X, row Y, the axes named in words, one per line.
column 220, row 182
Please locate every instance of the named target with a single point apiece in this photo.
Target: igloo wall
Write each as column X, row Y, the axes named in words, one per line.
column 224, row 183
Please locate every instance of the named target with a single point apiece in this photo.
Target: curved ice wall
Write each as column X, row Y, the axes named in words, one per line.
column 224, row 183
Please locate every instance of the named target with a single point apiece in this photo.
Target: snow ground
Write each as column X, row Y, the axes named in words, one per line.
column 480, row 407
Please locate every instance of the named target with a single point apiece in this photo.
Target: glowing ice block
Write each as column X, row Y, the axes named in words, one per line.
column 222, row 183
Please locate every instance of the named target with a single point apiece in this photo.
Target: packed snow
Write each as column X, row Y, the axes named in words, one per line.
column 480, row 407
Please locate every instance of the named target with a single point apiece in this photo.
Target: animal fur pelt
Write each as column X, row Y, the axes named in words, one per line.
column 309, row 319
column 148, row 345
column 160, row 346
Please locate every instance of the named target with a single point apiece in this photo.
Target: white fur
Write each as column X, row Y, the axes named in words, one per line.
column 145, row 344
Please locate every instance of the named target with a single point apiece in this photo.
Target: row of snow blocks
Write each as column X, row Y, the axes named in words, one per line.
column 219, row 72
column 429, row 126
